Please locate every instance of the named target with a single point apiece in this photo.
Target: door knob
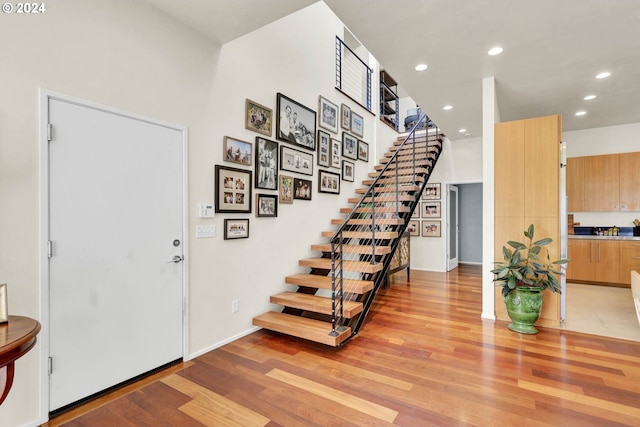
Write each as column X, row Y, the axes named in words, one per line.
column 175, row 259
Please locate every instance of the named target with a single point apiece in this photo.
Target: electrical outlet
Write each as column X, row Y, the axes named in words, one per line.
column 235, row 306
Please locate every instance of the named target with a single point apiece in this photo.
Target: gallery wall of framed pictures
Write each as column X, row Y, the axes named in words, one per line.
column 333, row 134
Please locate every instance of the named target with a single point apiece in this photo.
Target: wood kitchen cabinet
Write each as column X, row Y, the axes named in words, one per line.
column 575, row 184
column 594, row 261
column 629, row 260
column 601, row 183
column 629, row 181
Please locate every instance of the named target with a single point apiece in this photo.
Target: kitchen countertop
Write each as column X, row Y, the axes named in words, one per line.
column 593, row 237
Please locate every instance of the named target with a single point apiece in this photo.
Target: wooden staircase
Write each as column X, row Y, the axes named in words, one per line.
column 352, row 264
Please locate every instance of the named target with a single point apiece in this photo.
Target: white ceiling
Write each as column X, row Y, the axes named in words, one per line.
column 552, row 52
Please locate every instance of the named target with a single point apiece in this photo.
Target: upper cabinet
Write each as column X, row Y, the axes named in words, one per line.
column 608, row 183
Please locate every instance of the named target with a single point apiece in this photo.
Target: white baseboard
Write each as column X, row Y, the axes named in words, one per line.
column 221, row 343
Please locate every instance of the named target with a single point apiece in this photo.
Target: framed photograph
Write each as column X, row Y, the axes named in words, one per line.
column 363, row 151
column 233, row 190
column 328, row 182
column 328, row 115
column 257, row 118
column 431, row 191
column 267, row 205
column 357, row 124
column 266, row 164
column 348, row 170
column 336, row 147
column 295, row 123
column 345, row 120
column 430, row 209
column 236, row 228
column 293, row 160
column 237, row 151
column 413, row 227
column 324, row 148
column 349, row 146
column 302, row 189
column 286, row 189
column 430, row 228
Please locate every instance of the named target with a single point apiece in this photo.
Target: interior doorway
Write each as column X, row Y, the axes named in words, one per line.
column 466, row 212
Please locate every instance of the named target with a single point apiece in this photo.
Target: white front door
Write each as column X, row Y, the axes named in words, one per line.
column 115, row 224
column 453, row 228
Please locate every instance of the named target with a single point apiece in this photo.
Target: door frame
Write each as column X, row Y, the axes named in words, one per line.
column 44, row 97
column 449, row 225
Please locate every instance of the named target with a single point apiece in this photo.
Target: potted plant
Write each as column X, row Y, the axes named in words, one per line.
column 524, row 277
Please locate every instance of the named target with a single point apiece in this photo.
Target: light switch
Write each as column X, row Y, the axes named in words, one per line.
column 206, row 211
column 204, row 231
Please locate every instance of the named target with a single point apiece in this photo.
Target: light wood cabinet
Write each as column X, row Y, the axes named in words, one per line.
column 629, row 260
column 594, row 261
column 601, row 183
column 629, row 181
column 575, row 184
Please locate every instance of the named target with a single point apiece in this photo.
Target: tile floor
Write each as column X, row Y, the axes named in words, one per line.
column 601, row 310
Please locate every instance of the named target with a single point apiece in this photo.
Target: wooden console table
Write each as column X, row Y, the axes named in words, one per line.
column 17, row 337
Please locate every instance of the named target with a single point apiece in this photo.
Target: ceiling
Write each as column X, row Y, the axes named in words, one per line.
column 552, row 52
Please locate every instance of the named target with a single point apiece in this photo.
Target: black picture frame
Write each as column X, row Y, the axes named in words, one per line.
column 302, row 189
column 236, row 228
column 349, row 146
column 266, row 164
column 345, row 117
column 328, row 182
column 363, row 151
column 266, row 205
column 357, row 124
column 348, row 170
column 328, row 115
column 293, row 160
column 336, row 149
column 324, row 148
column 295, row 123
column 233, row 190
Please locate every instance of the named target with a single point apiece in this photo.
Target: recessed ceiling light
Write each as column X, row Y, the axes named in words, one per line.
column 581, row 113
column 447, row 107
column 589, row 97
column 495, row 51
column 467, row 134
column 603, row 75
column 421, row 67
column 462, row 130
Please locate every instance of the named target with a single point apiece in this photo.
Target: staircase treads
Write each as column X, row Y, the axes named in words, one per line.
column 393, row 180
column 301, row 327
column 409, row 158
column 378, row 209
column 389, row 189
column 406, row 166
column 363, row 234
column 384, row 199
column 368, row 221
column 314, row 303
column 347, row 265
column 324, row 282
column 400, row 172
column 352, row 249
column 420, row 138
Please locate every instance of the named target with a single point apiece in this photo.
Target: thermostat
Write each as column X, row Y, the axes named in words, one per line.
column 206, row 211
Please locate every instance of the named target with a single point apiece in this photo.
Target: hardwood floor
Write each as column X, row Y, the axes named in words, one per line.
column 424, row 358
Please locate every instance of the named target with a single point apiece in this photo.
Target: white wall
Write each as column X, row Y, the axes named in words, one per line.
column 127, row 55
column 599, row 141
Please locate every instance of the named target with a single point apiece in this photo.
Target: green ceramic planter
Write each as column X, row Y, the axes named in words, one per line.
column 523, row 307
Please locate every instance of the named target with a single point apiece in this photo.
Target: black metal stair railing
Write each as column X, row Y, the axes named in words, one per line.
column 378, row 221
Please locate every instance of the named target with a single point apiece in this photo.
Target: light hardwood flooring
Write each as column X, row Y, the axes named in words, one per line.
column 424, row 358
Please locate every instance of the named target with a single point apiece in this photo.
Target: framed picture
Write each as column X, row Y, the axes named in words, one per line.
column 266, row 164
column 237, row 151
column 257, row 118
column 363, row 151
column 349, row 146
column 357, row 124
column 430, row 209
column 324, row 148
column 430, row 228
column 348, row 170
column 413, row 227
column 267, row 205
column 431, row 191
column 328, row 115
column 236, row 228
column 345, row 120
column 336, row 147
column 286, row 189
column 416, row 213
column 293, row 160
column 328, row 182
column 301, row 189
column 295, row 123
column 233, row 189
